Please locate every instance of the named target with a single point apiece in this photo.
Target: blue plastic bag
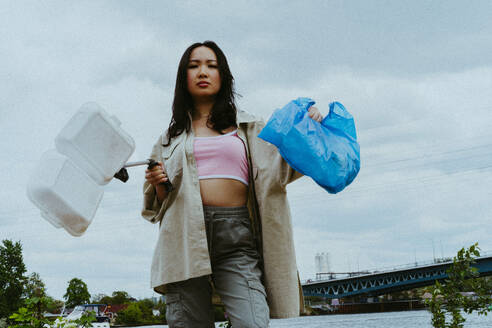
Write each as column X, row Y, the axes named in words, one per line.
column 328, row 151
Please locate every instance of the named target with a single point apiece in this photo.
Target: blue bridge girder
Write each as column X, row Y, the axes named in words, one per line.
column 379, row 283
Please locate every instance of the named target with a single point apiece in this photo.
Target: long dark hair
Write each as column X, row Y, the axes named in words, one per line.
column 223, row 113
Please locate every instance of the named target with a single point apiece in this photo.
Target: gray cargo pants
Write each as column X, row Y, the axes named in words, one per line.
column 236, row 277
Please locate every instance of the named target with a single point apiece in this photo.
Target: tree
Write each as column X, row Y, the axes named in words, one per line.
column 53, row 305
column 146, row 305
column 120, row 297
column 77, row 293
column 34, row 286
column 131, row 315
column 12, row 279
column 448, row 296
column 98, row 298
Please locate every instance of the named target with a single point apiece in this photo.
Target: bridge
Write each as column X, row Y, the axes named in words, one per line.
column 388, row 281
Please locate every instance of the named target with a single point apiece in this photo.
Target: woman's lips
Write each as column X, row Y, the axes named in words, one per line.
column 203, row 84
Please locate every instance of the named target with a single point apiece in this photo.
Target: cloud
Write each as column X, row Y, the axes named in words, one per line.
column 413, row 75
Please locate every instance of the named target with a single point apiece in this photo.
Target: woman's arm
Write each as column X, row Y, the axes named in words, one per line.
column 156, row 177
column 154, row 195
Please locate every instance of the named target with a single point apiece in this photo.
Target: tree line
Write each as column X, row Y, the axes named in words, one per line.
column 24, row 297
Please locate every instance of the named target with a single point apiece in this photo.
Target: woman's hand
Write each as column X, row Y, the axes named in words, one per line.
column 156, row 175
column 315, row 114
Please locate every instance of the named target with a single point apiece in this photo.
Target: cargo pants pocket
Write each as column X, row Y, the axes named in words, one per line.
column 174, row 311
column 257, row 295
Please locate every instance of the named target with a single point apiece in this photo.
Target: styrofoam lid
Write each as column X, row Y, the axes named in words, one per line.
column 95, row 142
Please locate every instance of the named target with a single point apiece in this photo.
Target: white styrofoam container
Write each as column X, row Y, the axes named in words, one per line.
column 67, row 197
column 95, row 142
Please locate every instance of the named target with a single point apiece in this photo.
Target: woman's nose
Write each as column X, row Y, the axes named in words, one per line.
column 202, row 72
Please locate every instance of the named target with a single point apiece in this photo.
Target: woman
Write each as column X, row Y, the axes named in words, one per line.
column 226, row 225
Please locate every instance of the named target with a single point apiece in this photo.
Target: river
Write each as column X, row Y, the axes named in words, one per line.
column 406, row 319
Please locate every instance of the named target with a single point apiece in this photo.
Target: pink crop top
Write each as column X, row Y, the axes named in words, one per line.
column 221, row 156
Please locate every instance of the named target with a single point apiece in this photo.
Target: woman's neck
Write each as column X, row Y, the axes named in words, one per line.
column 202, row 109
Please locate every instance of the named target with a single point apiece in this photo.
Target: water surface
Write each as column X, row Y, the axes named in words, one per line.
column 405, row 319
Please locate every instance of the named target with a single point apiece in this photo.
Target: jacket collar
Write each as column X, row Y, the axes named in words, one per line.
column 242, row 117
column 245, row 117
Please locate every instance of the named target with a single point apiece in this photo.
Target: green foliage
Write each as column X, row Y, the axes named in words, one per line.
column 77, row 293
column 34, row 291
column 34, row 286
column 131, row 315
column 103, row 299
column 140, row 312
column 146, row 306
column 96, row 299
column 120, row 297
column 12, row 279
column 30, row 316
column 161, row 318
column 53, row 305
column 21, row 296
column 447, row 297
column 86, row 320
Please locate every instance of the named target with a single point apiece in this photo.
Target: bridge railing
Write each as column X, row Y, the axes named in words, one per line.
column 338, row 275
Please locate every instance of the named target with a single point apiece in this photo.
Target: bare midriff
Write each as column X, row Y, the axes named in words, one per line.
column 223, row 192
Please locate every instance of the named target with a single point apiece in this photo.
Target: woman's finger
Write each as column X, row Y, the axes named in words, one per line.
column 315, row 114
column 153, row 177
column 161, row 179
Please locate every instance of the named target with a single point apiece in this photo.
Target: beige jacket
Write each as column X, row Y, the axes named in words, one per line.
column 182, row 253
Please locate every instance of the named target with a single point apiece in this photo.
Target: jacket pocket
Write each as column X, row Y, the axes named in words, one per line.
column 174, row 310
column 255, row 172
column 167, row 151
column 172, row 158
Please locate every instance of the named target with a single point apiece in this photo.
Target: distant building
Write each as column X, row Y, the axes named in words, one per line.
column 322, row 262
column 161, row 298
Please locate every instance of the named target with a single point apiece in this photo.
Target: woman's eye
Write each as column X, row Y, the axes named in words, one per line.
column 192, row 66
column 212, row 66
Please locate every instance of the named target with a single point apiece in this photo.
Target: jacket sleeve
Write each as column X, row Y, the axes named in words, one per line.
column 285, row 174
column 152, row 210
column 290, row 174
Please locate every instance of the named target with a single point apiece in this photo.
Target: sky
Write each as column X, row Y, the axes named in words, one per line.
column 416, row 76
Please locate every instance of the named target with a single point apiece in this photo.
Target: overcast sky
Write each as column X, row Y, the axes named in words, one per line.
column 416, row 75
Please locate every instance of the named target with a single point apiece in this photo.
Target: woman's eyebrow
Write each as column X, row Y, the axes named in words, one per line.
column 198, row 60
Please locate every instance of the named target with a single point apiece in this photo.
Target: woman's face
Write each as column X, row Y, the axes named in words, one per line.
column 203, row 74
